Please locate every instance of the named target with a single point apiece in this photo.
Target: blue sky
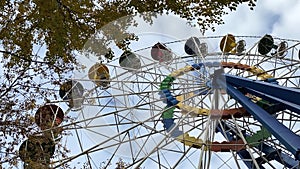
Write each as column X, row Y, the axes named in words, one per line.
column 277, row 17
column 269, row 17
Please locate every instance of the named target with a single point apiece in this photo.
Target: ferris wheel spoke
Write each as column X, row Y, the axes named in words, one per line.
column 185, row 156
column 244, row 140
column 167, row 113
column 287, row 143
column 234, row 154
column 81, row 148
column 94, row 148
column 160, row 145
column 284, row 68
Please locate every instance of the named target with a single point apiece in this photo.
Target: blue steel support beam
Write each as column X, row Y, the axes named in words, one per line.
column 288, row 105
column 280, row 157
column 244, row 154
column 288, row 138
column 284, row 93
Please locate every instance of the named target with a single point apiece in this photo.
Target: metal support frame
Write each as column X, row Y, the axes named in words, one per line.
column 291, row 95
column 270, row 152
column 288, row 138
column 243, row 154
column 288, row 105
column 279, row 156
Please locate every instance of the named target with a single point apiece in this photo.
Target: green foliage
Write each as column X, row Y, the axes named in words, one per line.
column 62, row 28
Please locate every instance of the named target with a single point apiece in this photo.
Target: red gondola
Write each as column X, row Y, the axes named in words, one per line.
column 49, row 116
column 161, row 53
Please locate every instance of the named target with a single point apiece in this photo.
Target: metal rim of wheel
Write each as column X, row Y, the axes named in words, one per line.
column 171, row 114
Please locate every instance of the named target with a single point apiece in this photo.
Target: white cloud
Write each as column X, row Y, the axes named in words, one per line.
column 288, row 25
column 279, row 18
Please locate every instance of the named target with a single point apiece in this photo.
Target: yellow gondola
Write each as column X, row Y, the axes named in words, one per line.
column 228, row 44
column 99, row 74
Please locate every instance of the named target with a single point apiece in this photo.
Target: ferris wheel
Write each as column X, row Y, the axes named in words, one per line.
column 226, row 102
